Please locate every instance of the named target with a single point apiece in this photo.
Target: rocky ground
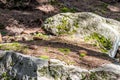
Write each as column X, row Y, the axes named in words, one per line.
column 22, row 29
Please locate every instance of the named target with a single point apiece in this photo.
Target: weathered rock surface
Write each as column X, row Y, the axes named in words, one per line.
column 16, row 66
column 85, row 24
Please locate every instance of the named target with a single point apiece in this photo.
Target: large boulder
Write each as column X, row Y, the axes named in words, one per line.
column 83, row 24
column 16, row 66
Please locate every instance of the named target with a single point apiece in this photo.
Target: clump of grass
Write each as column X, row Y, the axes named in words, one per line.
column 66, row 51
column 65, row 9
column 103, row 43
column 82, row 55
column 40, row 35
column 44, row 57
column 13, row 46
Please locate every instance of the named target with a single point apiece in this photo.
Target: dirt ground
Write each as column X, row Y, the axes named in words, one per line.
column 22, row 26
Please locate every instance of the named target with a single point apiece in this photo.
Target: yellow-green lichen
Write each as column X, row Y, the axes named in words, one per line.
column 82, row 55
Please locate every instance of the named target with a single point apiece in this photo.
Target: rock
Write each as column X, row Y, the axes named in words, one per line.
column 113, row 8
column 20, row 67
column 86, row 24
column 37, row 38
column 16, row 66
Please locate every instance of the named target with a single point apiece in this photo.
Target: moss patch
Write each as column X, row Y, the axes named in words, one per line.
column 13, row 46
column 40, row 35
column 66, row 9
column 103, row 43
column 64, row 27
column 66, row 51
column 82, row 55
column 45, row 57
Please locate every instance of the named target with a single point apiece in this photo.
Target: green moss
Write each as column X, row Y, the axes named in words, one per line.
column 49, row 20
column 64, row 27
column 41, row 35
column 82, row 55
column 45, row 57
column 13, row 46
column 66, row 51
column 66, row 9
column 5, row 76
column 76, row 24
column 100, row 41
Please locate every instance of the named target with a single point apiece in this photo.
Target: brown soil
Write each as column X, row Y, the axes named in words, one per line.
column 27, row 22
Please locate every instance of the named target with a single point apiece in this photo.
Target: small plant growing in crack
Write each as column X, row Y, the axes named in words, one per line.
column 82, row 53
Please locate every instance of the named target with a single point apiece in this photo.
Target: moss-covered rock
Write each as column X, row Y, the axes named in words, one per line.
column 86, row 24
